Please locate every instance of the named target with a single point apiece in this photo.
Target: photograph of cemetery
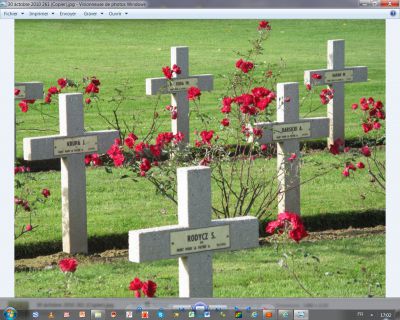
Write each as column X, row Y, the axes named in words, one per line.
column 208, row 158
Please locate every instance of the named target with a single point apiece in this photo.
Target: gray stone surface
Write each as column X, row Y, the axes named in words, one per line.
column 73, row 176
column 336, row 108
column 288, row 171
column 32, row 90
column 194, row 211
column 155, row 86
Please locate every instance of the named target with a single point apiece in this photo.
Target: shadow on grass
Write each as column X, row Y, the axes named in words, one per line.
column 321, row 222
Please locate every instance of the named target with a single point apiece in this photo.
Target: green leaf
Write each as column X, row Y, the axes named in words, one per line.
column 108, row 169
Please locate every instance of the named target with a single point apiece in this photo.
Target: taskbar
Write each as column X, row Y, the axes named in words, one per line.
column 193, row 309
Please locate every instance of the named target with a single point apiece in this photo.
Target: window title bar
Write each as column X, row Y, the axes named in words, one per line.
column 204, row 4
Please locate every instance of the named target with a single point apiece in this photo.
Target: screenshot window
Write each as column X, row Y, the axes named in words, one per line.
column 199, row 159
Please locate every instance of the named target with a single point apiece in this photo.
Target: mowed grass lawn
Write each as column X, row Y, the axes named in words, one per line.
column 250, row 273
column 117, row 205
column 132, row 50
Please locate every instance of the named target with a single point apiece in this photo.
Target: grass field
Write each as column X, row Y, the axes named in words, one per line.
column 250, row 273
column 116, row 205
column 130, row 51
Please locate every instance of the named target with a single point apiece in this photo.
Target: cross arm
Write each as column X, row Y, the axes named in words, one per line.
column 154, row 244
column 156, row 86
column 42, row 148
column 353, row 74
column 319, row 128
column 29, row 90
column 105, row 139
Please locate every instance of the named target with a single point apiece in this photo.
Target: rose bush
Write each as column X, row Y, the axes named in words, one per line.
column 26, row 201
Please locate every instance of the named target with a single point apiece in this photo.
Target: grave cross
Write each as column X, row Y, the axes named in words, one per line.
column 196, row 236
column 335, row 76
column 287, row 132
column 71, row 146
column 27, row 91
column 177, row 87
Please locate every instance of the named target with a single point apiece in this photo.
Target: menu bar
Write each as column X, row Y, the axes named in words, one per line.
column 388, row 13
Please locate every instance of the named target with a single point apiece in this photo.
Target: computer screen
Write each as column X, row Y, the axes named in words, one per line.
column 202, row 150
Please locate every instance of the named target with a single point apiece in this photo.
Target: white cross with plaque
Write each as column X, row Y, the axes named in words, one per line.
column 287, row 132
column 26, row 91
column 335, row 76
column 71, row 146
column 178, row 87
column 196, row 236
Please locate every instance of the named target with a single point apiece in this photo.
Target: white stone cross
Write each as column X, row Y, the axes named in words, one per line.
column 335, row 76
column 71, row 146
column 196, row 236
column 287, row 132
column 177, row 87
column 27, row 91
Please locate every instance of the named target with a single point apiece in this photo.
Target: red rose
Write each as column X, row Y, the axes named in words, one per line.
column 130, row 140
column 365, row 151
column 116, row 155
column 206, row 136
column 360, row 165
column 193, row 93
column 179, row 137
column 367, row 127
column 95, row 81
column 264, row 25
column 174, row 114
column 225, row 122
column 24, row 106
column 149, row 288
column 298, row 233
column 145, row 165
column 316, row 76
column 326, row 95
column 88, row 100
column 47, row 99
column 17, row 92
column 226, row 105
column 46, row 193
column 381, row 115
column 292, row 157
column 346, row 172
column 371, row 100
column 92, row 88
column 96, row 160
column 258, row 132
column 167, row 72
column 28, row 228
column 377, row 125
column 165, row 138
column 135, row 284
column 378, row 105
column 68, row 265
column 176, row 69
column 264, row 147
column 273, row 225
column 308, row 87
column 141, row 147
column 155, row 150
column 62, row 83
column 354, row 106
column 364, row 107
column 53, row 90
